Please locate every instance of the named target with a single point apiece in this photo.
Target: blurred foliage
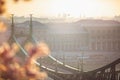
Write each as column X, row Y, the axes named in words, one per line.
column 3, row 5
column 12, row 69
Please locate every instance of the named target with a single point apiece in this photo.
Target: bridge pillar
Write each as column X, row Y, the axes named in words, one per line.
column 10, row 41
column 31, row 25
column 12, row 25
column 29, row 38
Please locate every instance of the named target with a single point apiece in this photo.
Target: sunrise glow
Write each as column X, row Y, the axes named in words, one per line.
column 75, row 8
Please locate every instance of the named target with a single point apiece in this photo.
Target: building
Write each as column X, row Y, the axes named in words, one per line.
column 98, row 39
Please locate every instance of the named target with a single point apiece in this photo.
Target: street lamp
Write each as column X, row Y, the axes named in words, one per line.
column 84, row 46
column 63, row 58
column 56, row 65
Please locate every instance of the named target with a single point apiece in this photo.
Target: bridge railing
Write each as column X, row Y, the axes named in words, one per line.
column 108, row 72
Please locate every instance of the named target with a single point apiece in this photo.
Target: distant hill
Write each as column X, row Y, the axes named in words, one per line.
column 34, row 23
column 97, row 22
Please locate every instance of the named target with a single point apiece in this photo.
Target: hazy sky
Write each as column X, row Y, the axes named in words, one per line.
column 88, row 8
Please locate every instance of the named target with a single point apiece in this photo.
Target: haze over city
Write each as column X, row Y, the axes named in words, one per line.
column 66, row 39
column 72, row 8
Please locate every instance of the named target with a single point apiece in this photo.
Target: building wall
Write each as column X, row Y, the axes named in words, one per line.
column 104, row 38
column 96, row 39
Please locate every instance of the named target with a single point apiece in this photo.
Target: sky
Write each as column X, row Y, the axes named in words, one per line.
column 76, row 8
